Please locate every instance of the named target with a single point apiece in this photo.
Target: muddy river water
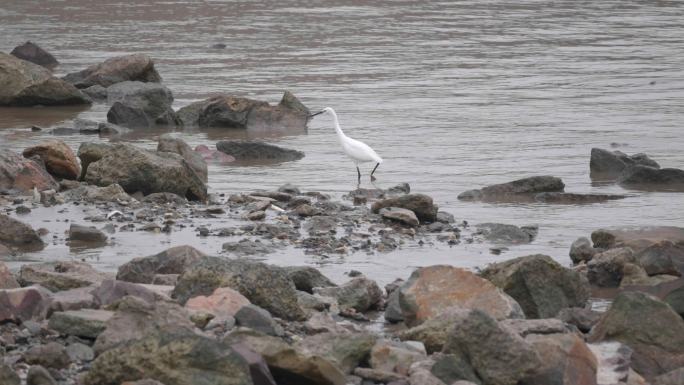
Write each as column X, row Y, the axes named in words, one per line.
column 453, row 95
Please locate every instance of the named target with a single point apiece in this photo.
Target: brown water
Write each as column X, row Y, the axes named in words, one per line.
column 453, row 95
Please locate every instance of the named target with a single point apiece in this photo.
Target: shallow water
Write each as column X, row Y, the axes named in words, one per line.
column 453, row 95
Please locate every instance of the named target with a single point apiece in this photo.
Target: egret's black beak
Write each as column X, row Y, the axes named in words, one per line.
column 316, row 113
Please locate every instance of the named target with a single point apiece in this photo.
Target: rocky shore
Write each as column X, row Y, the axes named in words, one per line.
column 182, row 316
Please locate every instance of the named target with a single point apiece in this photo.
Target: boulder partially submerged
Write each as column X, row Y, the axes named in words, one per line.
column 23, row 84
column 30, row 51
column 518, row 189
column 254, row 151
column 136, row 67
column 229, row 111
column 138, row 104
column 653, row 179
column 610, row 165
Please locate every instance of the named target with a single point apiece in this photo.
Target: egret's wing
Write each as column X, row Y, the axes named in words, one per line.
column 360, row 151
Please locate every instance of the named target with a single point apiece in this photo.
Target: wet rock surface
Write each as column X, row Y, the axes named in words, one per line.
column 26, row 84
column 140, row 105
column 136, row 169
column 245, row 151
column 521, row 189
column 136, row 67
column 32, row 52
column 610, row 165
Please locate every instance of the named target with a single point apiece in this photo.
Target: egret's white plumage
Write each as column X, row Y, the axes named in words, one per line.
column 358, row 151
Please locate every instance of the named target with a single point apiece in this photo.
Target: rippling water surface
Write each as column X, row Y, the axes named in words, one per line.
column 454, row 95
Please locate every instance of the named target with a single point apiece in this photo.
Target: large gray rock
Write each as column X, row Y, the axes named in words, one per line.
column 653, row 330
column 173, row 357
column 582, row 250
column 30, row 51
column 50, row 355
column 653, row 179
column 246, row 151
column 264, row 285
column 138, row 104
column 169, row 143
column 237, row 112
column 289, row 364
column 541, row 285
column 665, row 257
column 22, row 175
column 477, row 345
column 305, row 278
column 136, row 169
column 345, row 350
column 606, row 269
column 421, row 205
column 609, row 165
column 14, row 233
column 89, row 152
column 136, row 67
column 63, row 275
column 134, row 318
column 87, row 323
column 360, row 294
column 23, row 83
column 174, row 260
column 521, row 189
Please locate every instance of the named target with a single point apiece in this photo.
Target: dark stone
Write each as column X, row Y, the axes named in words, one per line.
column 650, row 327
column 609, row 165
column 14, row 233
column 85, row 234
column 38, row 375
column 258, row 151
column 541, row 285
column 51, row 355
column 30, row 51
column 256, row 318
column 653, row 179
column 575, row 199
column 521, row 189
column 27, row 84
column 138, row 104
column 305, row 278
column 174, row 260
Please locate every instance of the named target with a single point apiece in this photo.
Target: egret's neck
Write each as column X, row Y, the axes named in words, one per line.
column 338, row 129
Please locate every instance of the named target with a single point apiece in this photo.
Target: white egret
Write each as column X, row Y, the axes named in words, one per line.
column 358, row 151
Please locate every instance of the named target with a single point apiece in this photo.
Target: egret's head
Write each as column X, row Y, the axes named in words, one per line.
column 323, row 111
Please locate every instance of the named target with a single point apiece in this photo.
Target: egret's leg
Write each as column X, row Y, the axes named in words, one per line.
column 358, row 172
column 374, row 168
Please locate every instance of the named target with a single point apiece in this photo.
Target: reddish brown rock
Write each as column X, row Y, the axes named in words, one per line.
column 7, row 280
column 223, row 303
column 58, row 158
column 567, row 360
column 23, row 175
column 25, row 303
column 433, row 289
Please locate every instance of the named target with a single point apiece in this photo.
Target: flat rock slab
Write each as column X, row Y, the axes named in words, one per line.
column 638, row 238
column 88, row 323
column 563, row 198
